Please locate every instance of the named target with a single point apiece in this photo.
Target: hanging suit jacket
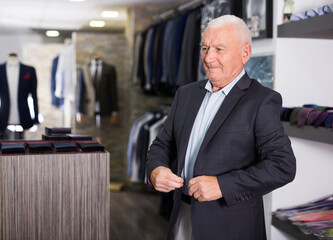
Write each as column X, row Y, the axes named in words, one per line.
column 106, row 92
column 27, row 85
column 245, row 147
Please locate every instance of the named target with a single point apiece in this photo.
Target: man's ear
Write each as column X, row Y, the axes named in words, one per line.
column 246, row 53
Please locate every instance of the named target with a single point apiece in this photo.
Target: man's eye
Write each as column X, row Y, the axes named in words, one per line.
column 219, row 49
column 204, row 49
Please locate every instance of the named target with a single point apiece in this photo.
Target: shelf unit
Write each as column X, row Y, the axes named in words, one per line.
column 320, row 27
column 291, row 229
column 319, row 134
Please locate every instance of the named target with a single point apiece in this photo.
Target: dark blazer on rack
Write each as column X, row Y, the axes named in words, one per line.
column 245, row 147
column 106, row 92
column 27, row 85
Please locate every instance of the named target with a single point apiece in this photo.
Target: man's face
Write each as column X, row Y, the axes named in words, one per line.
column 222, row 53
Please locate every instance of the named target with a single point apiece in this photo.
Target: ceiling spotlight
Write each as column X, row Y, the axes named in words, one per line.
column 77, row 0
column 96, row 23
column 110, row 14
column 52, row 33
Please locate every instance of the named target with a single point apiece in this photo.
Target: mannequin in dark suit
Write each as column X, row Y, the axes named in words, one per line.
column 27, row 84
column 244, row 153
column 105, row 83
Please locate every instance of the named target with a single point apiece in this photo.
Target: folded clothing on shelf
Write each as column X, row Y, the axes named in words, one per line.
column 65, row 147
column 313, row 12
column 55, row 137
column 57, row 131
column 45, row 147
column 12, row 149
column 50, row 147
column 315, row 217
column 79, row 137
column 91, row 147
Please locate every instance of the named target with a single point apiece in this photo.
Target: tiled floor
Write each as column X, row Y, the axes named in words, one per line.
column 134, row 215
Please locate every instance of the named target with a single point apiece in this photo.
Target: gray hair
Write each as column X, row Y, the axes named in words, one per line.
column 243, row 30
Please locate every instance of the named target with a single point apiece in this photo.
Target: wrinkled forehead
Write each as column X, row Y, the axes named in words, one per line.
column 219, row 35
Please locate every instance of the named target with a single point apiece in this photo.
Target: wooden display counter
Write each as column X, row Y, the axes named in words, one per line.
column 55, row 196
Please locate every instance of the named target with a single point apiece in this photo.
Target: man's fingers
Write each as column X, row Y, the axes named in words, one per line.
column 193, row 186
column 205, row 188
column 173, row 177
column 164, row 180
column 168, row 184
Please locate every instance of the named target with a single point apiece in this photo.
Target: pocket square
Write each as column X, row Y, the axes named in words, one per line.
column 26, row 76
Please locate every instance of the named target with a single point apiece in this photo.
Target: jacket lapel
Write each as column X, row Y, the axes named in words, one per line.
column 228, row 104
column 21, row 73
column 192, row 110
column 4, row 80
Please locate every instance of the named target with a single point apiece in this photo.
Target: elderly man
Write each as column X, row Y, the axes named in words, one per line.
column 222, row 146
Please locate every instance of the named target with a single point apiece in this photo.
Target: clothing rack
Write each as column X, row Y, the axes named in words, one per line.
column 181, row 8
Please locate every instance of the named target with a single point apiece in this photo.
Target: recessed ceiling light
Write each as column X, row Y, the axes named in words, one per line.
column 77, row 0
column 52, row 33
column 110, row 14
column 96, row 23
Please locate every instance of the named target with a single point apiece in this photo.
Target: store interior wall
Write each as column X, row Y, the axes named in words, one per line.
column 114, row 48
column 302, row 76
column 12, row 41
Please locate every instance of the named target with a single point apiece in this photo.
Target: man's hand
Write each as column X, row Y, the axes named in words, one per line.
column 205, row 188
column 164, row 180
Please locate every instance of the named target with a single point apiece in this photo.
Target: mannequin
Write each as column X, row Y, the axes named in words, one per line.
column 104, row 80
column 12, row 58
column 17, row 83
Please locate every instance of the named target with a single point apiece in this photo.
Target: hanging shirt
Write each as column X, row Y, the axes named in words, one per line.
column 66, row 73
column 12, row 71
column 208, row 109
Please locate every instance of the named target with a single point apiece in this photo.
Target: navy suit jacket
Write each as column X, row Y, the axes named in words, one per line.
column 27, row 85
column 245, row 147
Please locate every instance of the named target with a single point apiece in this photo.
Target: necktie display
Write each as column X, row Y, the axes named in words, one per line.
column 285, row 114
column 312, row 116
column 293, row 115
column 329, row 121
column 321, row 119
column 312, row 218
column 302, row 115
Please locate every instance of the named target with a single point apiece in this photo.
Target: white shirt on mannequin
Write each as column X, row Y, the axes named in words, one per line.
column 12, row 70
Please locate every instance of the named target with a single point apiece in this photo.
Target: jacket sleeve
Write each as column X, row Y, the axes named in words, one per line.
column 276, row 163
column 163, row 149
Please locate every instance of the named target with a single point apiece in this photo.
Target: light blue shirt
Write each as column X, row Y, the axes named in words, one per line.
column 208, row 109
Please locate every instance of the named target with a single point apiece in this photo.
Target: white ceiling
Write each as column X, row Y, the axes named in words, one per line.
column 65, row 15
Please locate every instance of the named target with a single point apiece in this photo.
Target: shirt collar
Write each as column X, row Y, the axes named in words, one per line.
column 96, row 61
column 227, row 88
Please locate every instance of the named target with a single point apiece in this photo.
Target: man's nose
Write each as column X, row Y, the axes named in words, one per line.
column 209, row 56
